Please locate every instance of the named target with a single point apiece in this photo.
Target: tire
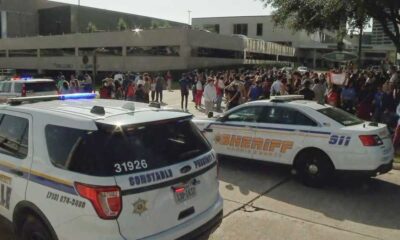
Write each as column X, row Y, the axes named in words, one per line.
column 315, row 168
column 34, row 229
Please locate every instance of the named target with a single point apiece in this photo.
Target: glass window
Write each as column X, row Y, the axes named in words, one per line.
column 240, row 29
column 340, row 116
column 217, row 53
column 34, row 87
column 247, row 114
column 6, row 87
column 14, row 132
column 212, row 28
column 282, row 115
column 60, row 52
column 259, row 29
column 134, row 149
column 23, row 53
column 172, row 51
column 3, row 53
column 100, row 51
column 86, row 51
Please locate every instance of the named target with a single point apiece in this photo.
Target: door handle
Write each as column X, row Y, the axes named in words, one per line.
column 17, row 172
column 208, row 130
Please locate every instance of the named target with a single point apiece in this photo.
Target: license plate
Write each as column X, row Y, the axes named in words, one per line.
column 188, row 193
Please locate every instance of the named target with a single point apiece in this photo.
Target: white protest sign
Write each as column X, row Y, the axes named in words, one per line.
column 338, row 78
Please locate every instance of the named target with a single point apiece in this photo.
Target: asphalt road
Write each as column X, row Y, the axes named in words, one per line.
column 267, row 202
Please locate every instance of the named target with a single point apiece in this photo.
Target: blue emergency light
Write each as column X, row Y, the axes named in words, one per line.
column 74, row 96
column 77, row 96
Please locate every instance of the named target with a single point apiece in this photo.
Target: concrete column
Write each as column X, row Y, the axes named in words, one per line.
column 314, row 58
column 4, row 24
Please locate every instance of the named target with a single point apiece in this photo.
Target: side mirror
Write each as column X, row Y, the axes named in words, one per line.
column 210, row 115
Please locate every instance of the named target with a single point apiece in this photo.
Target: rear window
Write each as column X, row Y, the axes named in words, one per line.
column 40, row 87
column 128, row 150
column 340, row 116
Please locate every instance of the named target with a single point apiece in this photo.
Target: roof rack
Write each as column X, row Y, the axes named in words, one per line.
column 75, row 96
column 286, row 98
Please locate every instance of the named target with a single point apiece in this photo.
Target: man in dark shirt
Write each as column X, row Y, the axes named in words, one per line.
column 185, row 86
column 307, row 92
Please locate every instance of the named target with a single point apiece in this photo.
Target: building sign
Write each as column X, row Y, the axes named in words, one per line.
column 338, row 56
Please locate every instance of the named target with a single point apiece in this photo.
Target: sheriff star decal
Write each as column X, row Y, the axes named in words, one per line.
column 139, row 207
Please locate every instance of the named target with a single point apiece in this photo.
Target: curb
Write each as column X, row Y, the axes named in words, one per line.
column 396, row 166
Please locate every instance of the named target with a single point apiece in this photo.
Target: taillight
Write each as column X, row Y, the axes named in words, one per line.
column 23, row 91
column 371, row 140
column 107, row 201
column 180, row 189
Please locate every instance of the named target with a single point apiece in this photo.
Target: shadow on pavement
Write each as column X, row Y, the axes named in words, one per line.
column 374, row 201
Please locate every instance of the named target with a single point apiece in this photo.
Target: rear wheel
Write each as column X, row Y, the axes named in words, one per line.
column 314, row 168
column 34, row 229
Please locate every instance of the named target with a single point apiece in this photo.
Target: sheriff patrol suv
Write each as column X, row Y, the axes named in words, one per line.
column 315, row 139
column 75, row 168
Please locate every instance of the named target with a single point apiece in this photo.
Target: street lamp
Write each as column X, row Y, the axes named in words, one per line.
column 189, row 13
column 78, row 17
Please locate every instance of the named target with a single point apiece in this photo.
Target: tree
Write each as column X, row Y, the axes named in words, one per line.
column 122, row 25
column 91, row 27
column 155, row 24
column 358, row 21
column 316, row 15
column 311, row 15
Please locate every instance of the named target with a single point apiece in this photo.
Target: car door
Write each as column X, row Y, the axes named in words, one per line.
column 232, row 135
column 5, row 92
column 2, row 93
column 281, row 133
column 15, row 159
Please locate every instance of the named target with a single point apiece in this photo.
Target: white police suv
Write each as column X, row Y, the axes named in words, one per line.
column 315, row 139
column 75, row 168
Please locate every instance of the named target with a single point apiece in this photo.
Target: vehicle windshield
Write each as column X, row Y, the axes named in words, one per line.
column 40, row 86
column 340, row 116
column 124, row 150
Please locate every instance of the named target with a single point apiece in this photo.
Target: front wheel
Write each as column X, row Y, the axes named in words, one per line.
column 34, row 229
column 314, row 168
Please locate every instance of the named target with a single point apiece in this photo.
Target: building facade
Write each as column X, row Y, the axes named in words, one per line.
column 22, row 18
column 310, row 48
column 147, row 50
column 42, row 36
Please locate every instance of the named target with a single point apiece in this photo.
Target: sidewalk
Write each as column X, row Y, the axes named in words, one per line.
column 173, row 100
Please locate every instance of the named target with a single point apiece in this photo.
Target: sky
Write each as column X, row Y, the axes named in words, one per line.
column 177, row 10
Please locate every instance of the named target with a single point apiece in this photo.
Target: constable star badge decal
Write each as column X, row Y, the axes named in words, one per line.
column 139, row 207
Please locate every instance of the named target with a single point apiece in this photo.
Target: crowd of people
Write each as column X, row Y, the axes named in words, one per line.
column 80, row 84
column 371, row 95
column 136, row 87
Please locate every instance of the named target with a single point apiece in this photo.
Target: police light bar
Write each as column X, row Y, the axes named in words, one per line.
column 286, row 98
column 75, row 96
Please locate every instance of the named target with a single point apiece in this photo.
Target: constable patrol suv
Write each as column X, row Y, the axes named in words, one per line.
column 315, row 139
column 100, row 169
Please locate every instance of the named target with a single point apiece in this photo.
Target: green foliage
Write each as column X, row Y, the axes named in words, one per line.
column 91, row 27
column 122, row 25
column 155, row 24
column 316, row 15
